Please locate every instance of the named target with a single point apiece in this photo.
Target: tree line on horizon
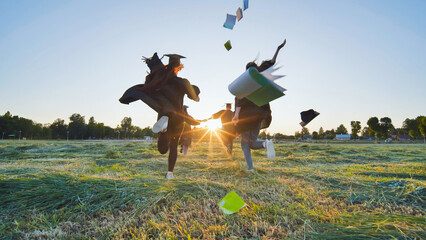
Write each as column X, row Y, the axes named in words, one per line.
column 77, row 128
column 376, row 128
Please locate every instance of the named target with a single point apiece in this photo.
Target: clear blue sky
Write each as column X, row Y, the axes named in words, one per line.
column 349, row 60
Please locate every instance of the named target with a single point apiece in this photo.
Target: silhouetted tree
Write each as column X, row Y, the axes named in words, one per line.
column 422, row 127
column 148, row 132
column 305, row 132
column 386, row 126
column 91, row 128
column 356, row 127
column 126, row 126
column 374, row 125
column 297, row 135
column 330, row 134
column 264, row 135
column 77, row 126
column 58, row 129
column 341, row 129
column 321, row 133
column 382, row 128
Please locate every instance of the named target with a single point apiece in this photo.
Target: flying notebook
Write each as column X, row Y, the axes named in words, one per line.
column 230, row 21
column 239, row 14
column 245, row 2
column 228, row 45
column 259, row 88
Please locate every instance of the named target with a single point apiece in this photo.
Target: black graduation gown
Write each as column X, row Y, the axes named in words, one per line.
column 251, row 115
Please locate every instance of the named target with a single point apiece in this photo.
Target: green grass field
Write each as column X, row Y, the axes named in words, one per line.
column 118, row 190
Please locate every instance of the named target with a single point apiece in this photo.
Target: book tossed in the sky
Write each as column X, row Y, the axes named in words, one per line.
column 228, row 45
column 258, row 87
column 230, row 21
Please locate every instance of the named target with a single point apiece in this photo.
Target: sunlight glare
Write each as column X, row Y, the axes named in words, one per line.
column 213, row 124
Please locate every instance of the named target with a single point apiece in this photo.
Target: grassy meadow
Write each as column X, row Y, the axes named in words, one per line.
column 118, row 190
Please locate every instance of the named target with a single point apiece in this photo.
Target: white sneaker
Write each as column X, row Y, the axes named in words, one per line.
column 169, row 175
column 250, row 170
column 161, row 124
column 270, row 149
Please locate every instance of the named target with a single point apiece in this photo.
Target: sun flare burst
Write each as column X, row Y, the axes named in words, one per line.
column 213, row 124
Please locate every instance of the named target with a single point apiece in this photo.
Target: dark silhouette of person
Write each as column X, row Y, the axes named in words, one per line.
column 164, row 91
column 186, row 136
column 227, row 133
column 250, row 118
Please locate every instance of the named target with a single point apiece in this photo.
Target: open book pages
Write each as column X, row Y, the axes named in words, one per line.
column 258, row 88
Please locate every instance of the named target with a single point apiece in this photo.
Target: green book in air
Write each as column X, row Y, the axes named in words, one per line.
column 257, row 87
column 228, row 45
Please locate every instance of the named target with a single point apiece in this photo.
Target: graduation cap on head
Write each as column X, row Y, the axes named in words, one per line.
column 174, row 59
column 153, row 63
column 308, row 116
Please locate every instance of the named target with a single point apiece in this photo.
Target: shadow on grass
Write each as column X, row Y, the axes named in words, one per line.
column 394, row 175
column 53, row 192
column 373, row 227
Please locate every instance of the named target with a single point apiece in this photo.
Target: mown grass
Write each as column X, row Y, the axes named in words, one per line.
column 118, row 190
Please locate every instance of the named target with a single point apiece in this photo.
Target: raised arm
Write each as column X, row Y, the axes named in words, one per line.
column 217, row 115
column 274, row 58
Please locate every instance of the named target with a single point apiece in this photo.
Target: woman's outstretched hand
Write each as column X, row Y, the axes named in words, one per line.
column 282, row 44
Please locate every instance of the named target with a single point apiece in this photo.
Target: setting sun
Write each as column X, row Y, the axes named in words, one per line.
column 213, row 124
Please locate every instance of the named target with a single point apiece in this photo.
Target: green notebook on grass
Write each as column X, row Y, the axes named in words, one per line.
column 231, row 203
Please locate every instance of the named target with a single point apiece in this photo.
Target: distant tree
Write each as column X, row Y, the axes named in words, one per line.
column 100, row 130
column 411, row 127
column 409, row 124
column 77, row 126
column 305, row 132
column 382, row 128
column 148, row 132
column 386, row 126
column 20, row 127
column 47, row 132
column 58, row 129
column 37, row 132
column 356, row 128
column 321, row 133
column 422, row 127
column 341, row 129
column 263, row 135
column 415, row 127
column 330, row 134
column 297, row 135
column 374, row 125
column 91, row 128
column 23, row 126
column 366, row 132
column 125, row 126
column 315, row 135
column 110, row 132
